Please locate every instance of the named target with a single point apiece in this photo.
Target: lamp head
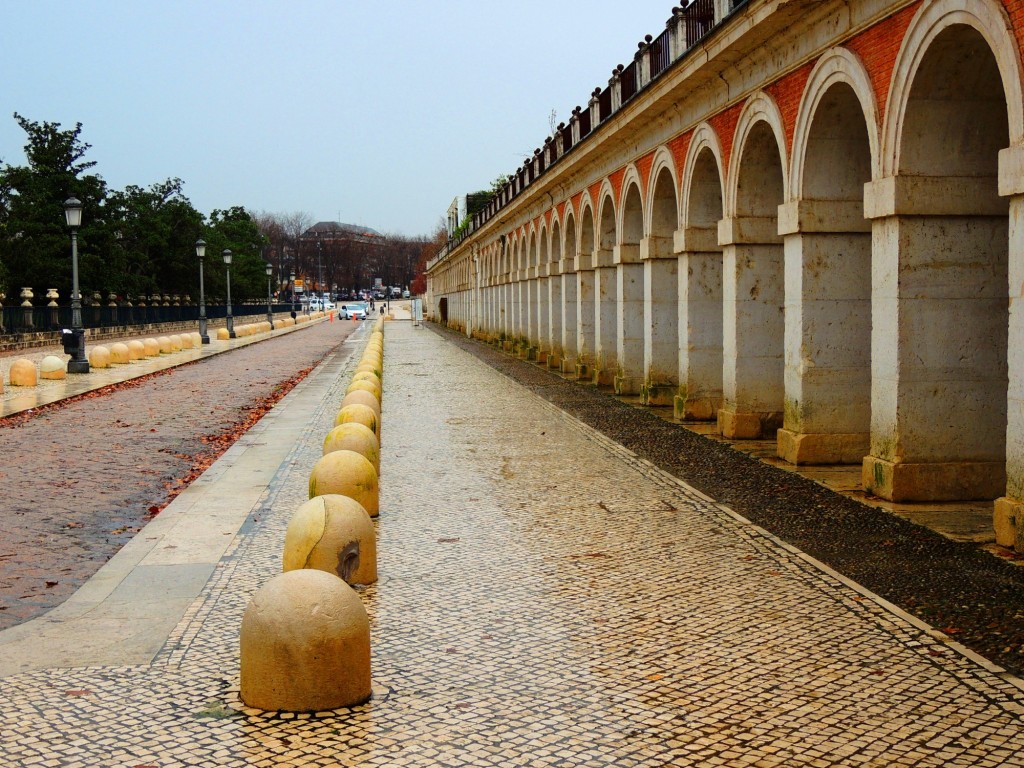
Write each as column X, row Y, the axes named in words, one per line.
column 73, row 212
column 226, row 255
column 200, row 248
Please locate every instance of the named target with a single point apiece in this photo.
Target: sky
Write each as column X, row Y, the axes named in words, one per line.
column 364, row 112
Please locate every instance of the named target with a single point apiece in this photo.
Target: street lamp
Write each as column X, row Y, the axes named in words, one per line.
column 226, row 254
column 74, row 342
column 294, row 307
column 270, row 312
column 201, row 253
column 320, row 271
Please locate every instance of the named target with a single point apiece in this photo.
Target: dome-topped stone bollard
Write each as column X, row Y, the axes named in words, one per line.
column 136, row 350
column 119, row 354
column 52, row 368
column 23, row 373
column 99, row 357
column 335, row 534
column 352, row 436
column 305, row 644
column 349, row 474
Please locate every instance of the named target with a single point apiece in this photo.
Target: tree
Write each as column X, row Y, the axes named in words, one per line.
column 35, row 244
column 236, row 229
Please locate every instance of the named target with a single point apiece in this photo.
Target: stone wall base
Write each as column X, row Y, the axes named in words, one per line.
column 627, row 385
column 820, row 448
column 584, row 372
column 735, row 425
column 554, row 361
column 604, row 377
column 939, row 481
column 1008, row 521
column 695, row 408
column 659, row 394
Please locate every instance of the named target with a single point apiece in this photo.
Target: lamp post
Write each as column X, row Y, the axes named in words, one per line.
column 270, row 312
column 201, row 253
column 294, row 308
column 320, row 270
column 74, row 343
column 226, row 254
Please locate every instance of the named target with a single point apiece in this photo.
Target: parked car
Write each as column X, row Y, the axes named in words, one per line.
column 405, row 294
column 320, row 304
column 350, row 311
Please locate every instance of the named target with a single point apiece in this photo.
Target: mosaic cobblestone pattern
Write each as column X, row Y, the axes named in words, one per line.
column 545, row 599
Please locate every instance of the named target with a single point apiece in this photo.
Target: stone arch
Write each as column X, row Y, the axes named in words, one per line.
column 570, row 291
column 630, row 222
column 703, row 191
column 540, row 293
column 939, row 417
column 828, row 263
column 662, row 192
column 753, row 275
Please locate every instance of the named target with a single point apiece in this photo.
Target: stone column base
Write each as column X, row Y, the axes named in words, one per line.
column 695, row 409
column 568, row 366
column 1008, row 521
column 604, row 377
column 554, row 361
column 507, row 345
column 627, row 385
column 584, row 372
column 659, row 394
column 939, row 481
column 542, row 356
column 822, row 448
column 735, row 425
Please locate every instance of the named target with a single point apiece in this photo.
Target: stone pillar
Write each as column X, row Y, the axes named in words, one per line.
column 605, row 317
column 827, row 414
column 570, row 305
column 52, row 308
column 661, row 310
column 554, row 342
column 3, row 328
column 586, row 339
column 939, row 339
column 97, row 308
column 699, row 268
column 629, row 320
column 1009, row 509
column 26, row 308
column 515, row 327
column 543, row 315
column 753, row 328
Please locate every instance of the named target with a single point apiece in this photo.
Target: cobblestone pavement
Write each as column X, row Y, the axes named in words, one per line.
column 546, row 598
column 80, row 479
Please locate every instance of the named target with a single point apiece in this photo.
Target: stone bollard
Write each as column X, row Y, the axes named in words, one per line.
column 23, row 373
column 52, row 368
column 335, row 534
column 362, row 397
column 136, row 350
column 175, row 340
column 360, row 414
column 369, row 386
column 349, row 474
column 165, row 345
column 305, row 644
column 120, row 354
column 152, row 347
column 354, row 437
column 99, row 357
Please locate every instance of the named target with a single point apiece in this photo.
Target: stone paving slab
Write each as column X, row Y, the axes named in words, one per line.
column 546, row 598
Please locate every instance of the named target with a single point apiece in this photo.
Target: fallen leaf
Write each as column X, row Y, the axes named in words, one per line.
column 449, row 541
column 77, row 693
column 655, row 677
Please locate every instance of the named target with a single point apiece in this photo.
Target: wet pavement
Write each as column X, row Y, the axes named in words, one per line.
column 546, row 597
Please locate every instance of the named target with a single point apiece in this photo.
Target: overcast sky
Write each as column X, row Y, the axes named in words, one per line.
column 366, row 112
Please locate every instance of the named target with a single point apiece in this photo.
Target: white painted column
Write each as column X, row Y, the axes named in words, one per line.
column 585, row 305
column 543, row 316
column 605, row 318
column 827, row 415
column 661, row 316
column 753, row 328
column 699, row 269
column 570, row 321
column 938, row 347
column 629, row 317
column 554, row 343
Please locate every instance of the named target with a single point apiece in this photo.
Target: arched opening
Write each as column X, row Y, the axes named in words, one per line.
column 629, row 296
column 605, row 303
column 554, row 340
column 753, row 326
column 941, row 254
column 700, row 295
column 570, row 297
column 828, row 294
column 542, row 299
column 586, row 300
column 661, row 295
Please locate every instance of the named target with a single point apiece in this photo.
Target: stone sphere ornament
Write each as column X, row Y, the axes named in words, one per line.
column 362, row 397
column 52, row 368
column 99, row 357
column 359, row 414
column 359, row 438
column 119, row 354
column 335, row 534
column 23, row 373
column 305, row 644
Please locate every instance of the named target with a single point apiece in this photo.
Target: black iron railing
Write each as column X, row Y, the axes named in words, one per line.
column 627, row 82
column 17, row 319
column 699, row 18
column 659, row 53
